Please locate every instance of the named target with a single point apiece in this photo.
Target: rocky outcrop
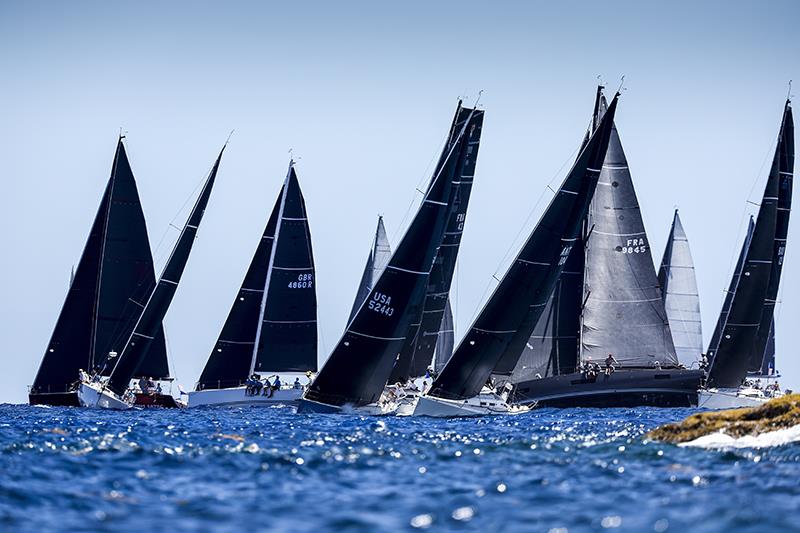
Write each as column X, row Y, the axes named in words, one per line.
column 780, row 413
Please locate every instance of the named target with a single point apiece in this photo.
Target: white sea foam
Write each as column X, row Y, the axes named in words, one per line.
column 720, row 440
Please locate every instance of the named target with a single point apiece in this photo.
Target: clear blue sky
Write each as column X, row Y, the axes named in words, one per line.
column 363, row 92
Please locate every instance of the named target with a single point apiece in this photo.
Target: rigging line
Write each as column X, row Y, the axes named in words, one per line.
column 159, row 252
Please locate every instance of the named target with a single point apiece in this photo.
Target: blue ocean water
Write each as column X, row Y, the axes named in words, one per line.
column 271, row 469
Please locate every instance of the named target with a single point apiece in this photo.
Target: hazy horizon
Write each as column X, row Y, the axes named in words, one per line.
column 363, row 95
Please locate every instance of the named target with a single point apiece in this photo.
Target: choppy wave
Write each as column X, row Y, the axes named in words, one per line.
column 255, row 469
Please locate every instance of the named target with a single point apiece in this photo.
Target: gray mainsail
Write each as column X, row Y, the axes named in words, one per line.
column 679, row 292
column 623, row 312
column 379, row 256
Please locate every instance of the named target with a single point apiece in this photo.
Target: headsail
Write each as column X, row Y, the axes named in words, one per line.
column 135, row 349
column 379, row 256
column 679, row 292
column 114, row 275
column 497, row 338
column 745, row 334
column 232, row 357
column 620, row 286
column 286, row 339
column 417, row 353
column 359, row 366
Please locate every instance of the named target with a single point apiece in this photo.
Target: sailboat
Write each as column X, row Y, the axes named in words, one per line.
column 355, row 375
column 378, row 258
column 431, row 335
column 114, row 392
column 501, row 330
column 744, row 335
column 607, row 310
column 112, row 281
column 272, row 325
column 678, row 283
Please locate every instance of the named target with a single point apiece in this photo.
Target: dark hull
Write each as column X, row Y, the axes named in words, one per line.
column 156, row 400
column 56, row 399
column 624, row 388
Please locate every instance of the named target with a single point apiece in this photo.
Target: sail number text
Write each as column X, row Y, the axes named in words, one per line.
column 304, row 281
column 381, row 303
column 634, row 246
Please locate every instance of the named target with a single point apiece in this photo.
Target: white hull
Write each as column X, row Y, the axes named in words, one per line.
column 480, row 405
column 93, row 395
column 238, row 397
column 731, row 398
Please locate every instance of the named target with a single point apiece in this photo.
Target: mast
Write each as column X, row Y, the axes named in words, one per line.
column 148, row 324
column 745, row 333
column 497, row 337
column 359, row 366
column 379, row 256
column 678, row 283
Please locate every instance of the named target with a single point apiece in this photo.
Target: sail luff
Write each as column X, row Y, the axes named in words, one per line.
column 498, row 335
column 678, row 283
column 69, row 347
column 730, row 292
column 271, row 263
column 148, row 324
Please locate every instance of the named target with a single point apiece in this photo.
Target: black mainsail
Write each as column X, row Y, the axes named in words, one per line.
column 359, row 366
column 679, row 293
column 378, row 258
column 743, row 338
column 286, row 338
column 113, row 279
column 149, row 322
column 498, row 335
column 423, row 338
